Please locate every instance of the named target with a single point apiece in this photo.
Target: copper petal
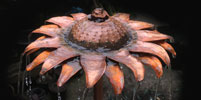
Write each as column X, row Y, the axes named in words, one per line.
column 138, row 25
column 158, row 62
column 133, row 63
column 63, row 21
column 116, row 77
column 43, row 43
column 38, row 60
column 94, row 67
column 68, row 70
column 56, row 57
column 34, row 50
column 167, row 47
column 65, row 74
column 78, row 16
column 123, row 16
column 154, row 63
column 146, row 35
column 151, row 48
column 50, row 30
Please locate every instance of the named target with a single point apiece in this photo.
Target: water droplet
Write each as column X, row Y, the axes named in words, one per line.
column 173, row 56
column 56, row 66
column 26, row 81
column 30, row 81
column 43, row 78
column 121, row 66
column 58, row 94
column 79, row 89
column 30, row 88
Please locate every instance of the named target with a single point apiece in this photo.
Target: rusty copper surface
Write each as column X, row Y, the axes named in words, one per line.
column 123, row 56
column 50, row 30
column 68, row 70
column 116, row 77
column 105, row 34
column 114, row 39
column 94, row 67
column 38, row 60
column 62, row 21
column 99, row 13
column 57, row 57
column 167, row 47
column 41, row 43
column 78, row 16
column 151, row 48
column 147, row 35
column 154, row 63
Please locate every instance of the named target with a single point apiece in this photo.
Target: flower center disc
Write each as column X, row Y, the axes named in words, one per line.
column 102, row 33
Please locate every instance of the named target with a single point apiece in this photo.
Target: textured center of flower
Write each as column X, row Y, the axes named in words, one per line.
column 92, row 33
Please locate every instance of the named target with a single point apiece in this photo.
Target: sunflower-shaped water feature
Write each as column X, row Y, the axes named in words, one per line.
column 97, row 43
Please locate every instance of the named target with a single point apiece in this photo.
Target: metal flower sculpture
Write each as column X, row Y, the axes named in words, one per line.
column 97, row 43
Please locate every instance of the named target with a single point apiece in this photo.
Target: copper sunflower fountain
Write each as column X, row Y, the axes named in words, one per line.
column 97, row 43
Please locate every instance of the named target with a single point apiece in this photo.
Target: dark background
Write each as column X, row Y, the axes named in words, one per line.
column 20, row 17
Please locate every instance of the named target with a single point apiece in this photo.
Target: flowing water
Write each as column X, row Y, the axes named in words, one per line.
column 58, row 94
column 28, row 83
